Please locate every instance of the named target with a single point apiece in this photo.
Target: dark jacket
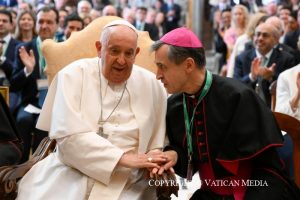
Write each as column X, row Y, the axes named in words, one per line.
column 243, row 62
column 10, row 143
column 26, row 85
column 233, row 125
column 8, row 64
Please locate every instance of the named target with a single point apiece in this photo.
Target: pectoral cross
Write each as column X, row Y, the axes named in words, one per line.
column 100, row 130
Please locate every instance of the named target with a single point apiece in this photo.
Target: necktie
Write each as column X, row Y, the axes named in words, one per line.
column 43, row 65
column 258, row 87
column 264, row 61
column 3, row 46
column 140, row 26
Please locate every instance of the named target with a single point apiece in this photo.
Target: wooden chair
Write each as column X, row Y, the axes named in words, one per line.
column 82, row 45
column 57, row 55
column 273, row 94
column 9, row 175
column 291, row 125
column 4, row 91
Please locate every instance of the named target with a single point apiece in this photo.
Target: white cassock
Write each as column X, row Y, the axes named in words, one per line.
column 286, row 89
column 84, row 166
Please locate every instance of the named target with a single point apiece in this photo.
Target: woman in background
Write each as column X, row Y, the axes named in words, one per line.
column 25, row 29
column 239, row 21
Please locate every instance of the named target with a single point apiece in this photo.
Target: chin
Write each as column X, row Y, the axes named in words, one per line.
column 118, row 80
column 169, row 91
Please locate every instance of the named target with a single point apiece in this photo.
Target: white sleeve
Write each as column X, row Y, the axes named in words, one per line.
column 91, row 154
column 283, row 96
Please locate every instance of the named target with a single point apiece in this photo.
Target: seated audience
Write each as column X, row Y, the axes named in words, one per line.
column 25, row 29
column 244, row 40
column 109, row 10
column 72, row 23
column 84, row 8
column 142, row 25
column 258, row 67
column 8, row 47
column 30, row 80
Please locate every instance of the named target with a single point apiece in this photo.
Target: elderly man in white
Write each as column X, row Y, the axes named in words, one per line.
column 108, row 118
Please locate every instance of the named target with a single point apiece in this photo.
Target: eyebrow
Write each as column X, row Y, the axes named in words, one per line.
column 159, row 64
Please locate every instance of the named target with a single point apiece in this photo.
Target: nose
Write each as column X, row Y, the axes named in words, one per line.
column 121, row 59
column 158, row 74
column 44, row 25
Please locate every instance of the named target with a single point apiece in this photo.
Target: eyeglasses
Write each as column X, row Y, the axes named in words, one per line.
column 264, row 35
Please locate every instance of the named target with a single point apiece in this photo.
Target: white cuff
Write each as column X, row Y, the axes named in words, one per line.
column 251, row 77
column 26, row 72
column 2, row 59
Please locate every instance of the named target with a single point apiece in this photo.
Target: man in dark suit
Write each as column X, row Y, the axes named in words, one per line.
column 172, row 13
column 260, row 66
column 29, row 78
column 7, row 52
column 141, row 25
column 292, row 38
column 72, row 23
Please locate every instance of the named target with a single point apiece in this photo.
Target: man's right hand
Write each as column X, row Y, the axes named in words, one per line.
column 27, row 59
column 1, row 48
column 168, row 165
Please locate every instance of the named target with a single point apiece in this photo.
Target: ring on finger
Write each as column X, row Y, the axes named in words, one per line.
column 150, row 159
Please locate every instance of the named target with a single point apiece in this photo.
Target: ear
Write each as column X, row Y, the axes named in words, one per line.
column 190, row 64
column 98, row 47
column 137, row 51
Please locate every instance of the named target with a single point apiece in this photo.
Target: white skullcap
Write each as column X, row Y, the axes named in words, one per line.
column 120, row 22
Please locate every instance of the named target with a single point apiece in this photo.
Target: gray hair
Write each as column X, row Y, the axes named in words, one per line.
column 179, row 54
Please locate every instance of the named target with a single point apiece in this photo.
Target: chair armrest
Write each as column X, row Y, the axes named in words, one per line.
column 9, row 175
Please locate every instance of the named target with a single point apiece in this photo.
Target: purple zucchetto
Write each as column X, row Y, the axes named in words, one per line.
column 182, row 37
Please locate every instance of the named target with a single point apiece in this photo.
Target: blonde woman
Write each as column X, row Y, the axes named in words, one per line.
column 25, row 29
column 239, row 20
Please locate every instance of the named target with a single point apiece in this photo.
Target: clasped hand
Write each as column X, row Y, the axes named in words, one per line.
column 167, row 165
column 155, row 161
